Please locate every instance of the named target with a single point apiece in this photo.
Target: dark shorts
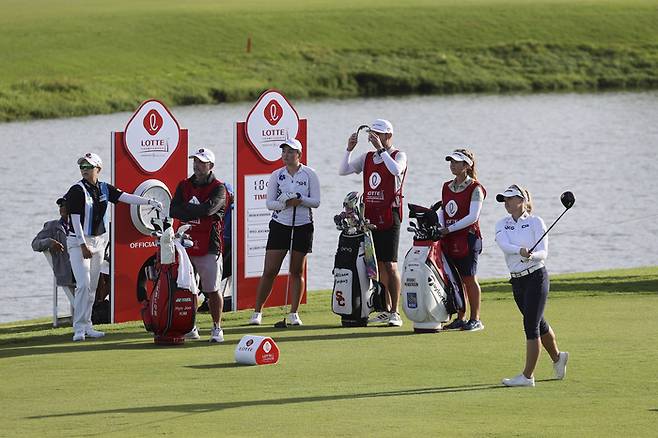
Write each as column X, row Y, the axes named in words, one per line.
column 279, row 237
column 468, row 266
column 387, row 241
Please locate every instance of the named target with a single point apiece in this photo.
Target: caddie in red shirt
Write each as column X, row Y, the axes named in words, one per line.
column 383, row 176
column 201, row 202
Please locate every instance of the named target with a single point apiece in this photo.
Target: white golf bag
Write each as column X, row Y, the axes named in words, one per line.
column 431, row 288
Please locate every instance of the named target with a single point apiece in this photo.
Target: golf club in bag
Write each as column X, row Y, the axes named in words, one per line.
column 357, row 291
column 431, row 286
column 170, row 311
column 568, row 200
column 284, row 323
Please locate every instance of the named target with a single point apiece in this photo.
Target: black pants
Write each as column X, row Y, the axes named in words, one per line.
column 530, row 294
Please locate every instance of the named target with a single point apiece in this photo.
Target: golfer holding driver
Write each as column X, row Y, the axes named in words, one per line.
column 292, row 191
column 461, row 241
column 514, row 235
column 383, row 170
column 89, row 216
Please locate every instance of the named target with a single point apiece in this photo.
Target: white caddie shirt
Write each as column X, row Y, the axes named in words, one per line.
column 305, row 182
column 513, row 235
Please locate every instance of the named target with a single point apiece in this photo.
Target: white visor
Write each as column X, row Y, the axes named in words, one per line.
column 510, row 192
column 459, row 156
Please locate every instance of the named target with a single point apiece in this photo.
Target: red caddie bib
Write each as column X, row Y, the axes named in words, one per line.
column 379, row 193
column 202, row 227
column 456, row 206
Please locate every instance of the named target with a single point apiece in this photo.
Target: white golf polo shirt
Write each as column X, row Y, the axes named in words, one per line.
column 305, row 182
column 513, row 235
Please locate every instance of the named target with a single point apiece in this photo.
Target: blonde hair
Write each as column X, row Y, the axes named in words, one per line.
column 527, row 202
column 471, row 169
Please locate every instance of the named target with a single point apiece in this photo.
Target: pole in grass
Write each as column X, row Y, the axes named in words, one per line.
column 284, row 323
column 568, row 200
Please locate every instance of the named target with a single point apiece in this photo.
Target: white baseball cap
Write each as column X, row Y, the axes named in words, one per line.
column 205, row 155
column 92, row 159
column 459, row 156
column 382, row 126
column 293, row 143
column 510, row 192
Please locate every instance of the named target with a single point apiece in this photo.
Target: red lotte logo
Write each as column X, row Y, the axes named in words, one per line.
column 273, row 112
column 152, row 122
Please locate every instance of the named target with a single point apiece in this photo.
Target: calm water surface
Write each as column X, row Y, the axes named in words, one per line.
column 603, row 147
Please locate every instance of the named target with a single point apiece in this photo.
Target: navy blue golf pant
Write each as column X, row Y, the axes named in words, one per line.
column 530, row 294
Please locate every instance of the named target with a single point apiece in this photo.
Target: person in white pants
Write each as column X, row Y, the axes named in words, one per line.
column 88, row 201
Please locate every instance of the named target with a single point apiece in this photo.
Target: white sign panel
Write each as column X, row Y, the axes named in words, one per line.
column 257, row 219
column 152, row 135
column 272, row 121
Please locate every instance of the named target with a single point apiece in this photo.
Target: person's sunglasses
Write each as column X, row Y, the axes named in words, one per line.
column 86, row 166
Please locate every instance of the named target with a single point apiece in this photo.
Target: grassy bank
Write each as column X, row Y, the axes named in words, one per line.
column 332, row 381
column 64, row 58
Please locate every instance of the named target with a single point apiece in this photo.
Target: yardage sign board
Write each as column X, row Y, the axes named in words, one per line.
column 270, row 122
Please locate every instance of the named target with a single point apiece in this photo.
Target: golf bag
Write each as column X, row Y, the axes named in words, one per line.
column 431, row 287
column 170, row 311
column 355, row 294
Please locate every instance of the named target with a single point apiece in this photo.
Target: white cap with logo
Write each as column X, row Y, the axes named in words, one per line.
column 459, row 156
column 204, row 155
column 92, row 159
column 382, row 126
column 293, row 143
column 510, row 192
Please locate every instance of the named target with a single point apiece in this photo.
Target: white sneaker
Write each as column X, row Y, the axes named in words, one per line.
column 256, row 318
column 193, row 334
column 91, row 333
column 519, row 380
column 560, row 367
column 295, row 319
column 381, row 318
column 78, row 336
column 216, row 334
column 394, row 320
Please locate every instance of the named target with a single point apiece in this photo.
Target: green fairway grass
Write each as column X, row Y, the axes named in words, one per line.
column 75, row 57
column 334, row 381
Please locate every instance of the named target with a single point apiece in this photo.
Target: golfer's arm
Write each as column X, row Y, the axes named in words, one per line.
column 272, row 187
column 129, row 198
column 504, row 243
column 395, row 166
column 469, row 219
column 77, row 227
column 313, row 198
column 540, row 253
column 348, row 166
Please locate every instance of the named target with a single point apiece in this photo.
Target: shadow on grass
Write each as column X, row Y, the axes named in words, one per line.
column 616, row 284
column 35, row 327
column 144, row 341
column 195, row 408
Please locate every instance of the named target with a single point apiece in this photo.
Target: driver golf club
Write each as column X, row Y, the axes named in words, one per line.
column 568, row 200
column 284, row 323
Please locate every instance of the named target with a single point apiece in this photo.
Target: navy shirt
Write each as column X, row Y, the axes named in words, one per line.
column 75, row 202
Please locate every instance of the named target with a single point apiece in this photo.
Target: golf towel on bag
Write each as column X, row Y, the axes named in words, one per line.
column 354, row 295
column 431, row 289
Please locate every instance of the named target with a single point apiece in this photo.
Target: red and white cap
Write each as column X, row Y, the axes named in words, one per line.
column 204, row 155
column 92, row 159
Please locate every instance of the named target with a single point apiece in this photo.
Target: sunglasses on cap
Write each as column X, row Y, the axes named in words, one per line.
column 86, row 166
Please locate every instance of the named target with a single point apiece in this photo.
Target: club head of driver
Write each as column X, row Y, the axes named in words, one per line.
column 567, row 199
column 281, row 324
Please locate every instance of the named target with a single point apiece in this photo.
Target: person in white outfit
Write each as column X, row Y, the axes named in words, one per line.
column 515, row 234
column 292, row 191
column 88, row 204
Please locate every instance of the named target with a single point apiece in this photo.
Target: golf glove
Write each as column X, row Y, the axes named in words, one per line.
column 283, row 197
column 155, row 204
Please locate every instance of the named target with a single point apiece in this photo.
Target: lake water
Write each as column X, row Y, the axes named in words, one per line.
column 603, row 147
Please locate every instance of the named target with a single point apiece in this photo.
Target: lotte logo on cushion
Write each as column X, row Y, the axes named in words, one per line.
column 273, row 112
column 152, row 122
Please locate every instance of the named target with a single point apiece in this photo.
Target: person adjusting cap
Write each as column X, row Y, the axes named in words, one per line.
column 459, row 156
column 382, row 126
column 204, row 155
column 92, row 159
column 293, row 143
column 510, row 192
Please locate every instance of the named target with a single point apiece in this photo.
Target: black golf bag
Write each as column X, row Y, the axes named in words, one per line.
column 432, row 289
column 355, row 295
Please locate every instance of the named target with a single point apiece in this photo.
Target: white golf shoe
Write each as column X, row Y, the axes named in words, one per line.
column 394, row 320
column 193, row 334
column 519, row 380
column 91, row 333
column 216, row 334
column 380, row 318
column 560, row 367
column 78, row 336
column 295, row 319
column 256, row 318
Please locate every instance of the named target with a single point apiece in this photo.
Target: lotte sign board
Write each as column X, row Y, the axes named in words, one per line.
column 148, row 159
column 270, row 122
